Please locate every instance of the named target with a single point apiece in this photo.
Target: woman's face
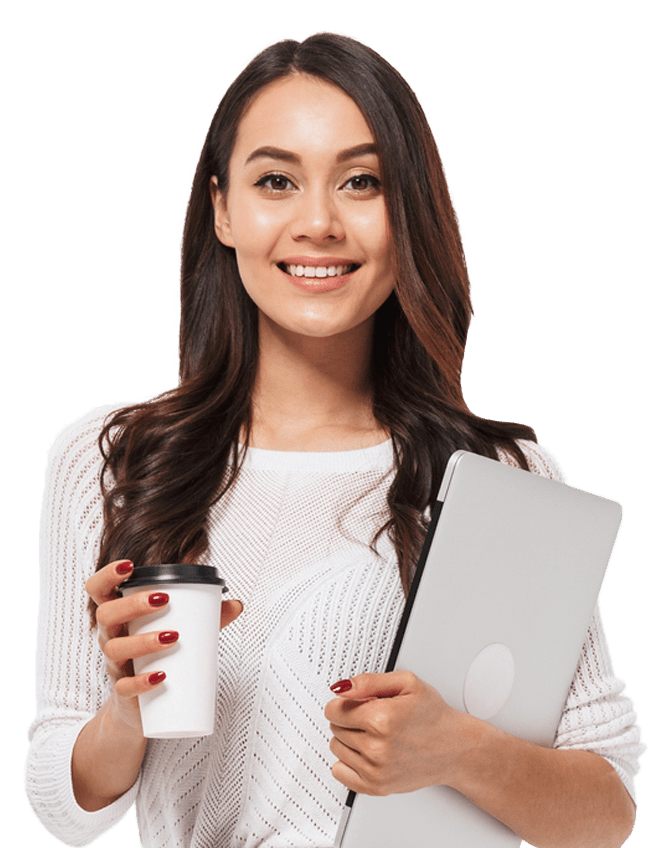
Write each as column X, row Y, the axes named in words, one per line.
column 305, row 210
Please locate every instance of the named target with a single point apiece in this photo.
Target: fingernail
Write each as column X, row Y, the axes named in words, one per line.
column 158, row 599
column 156, row 677
column 341, row 686
column 124, row 567
column 168, row 636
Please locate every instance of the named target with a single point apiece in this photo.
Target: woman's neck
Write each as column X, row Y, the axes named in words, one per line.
column 314, row 394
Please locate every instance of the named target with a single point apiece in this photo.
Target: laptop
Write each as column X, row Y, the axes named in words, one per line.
column 496, row 618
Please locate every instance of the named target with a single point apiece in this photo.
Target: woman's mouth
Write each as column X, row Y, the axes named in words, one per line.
column 315, row 271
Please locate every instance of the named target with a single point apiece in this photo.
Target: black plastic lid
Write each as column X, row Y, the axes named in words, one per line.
column 147, row 575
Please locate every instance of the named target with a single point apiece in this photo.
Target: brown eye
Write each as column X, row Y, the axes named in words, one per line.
column 363, row 182
column 275, row 182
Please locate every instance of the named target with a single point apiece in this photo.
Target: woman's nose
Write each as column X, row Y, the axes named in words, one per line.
column 317, row 218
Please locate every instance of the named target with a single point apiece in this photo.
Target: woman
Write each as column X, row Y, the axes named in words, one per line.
column 324, row 316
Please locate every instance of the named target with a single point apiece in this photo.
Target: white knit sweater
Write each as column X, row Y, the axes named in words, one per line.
column 292, row 540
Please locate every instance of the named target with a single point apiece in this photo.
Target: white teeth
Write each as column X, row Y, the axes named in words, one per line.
column 316, row 270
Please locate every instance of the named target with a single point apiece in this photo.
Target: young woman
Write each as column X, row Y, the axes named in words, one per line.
column 325, row 309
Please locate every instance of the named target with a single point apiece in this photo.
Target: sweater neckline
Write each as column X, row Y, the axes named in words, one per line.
column 374, row 458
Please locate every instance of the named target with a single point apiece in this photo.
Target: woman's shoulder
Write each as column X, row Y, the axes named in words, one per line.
column 540, row 460
column 77, row 437
column 72, row 491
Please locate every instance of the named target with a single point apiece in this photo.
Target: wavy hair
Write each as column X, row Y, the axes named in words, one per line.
column 167, row 461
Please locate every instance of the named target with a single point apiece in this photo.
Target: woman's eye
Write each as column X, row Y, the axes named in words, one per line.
column 363, row 182
column 275, row 182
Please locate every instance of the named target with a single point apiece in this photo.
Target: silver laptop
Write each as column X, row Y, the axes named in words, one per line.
column 496, row 619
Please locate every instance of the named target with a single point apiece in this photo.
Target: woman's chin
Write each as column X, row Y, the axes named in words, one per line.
column 313, row 327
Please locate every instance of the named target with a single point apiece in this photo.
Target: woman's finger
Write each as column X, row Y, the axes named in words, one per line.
column 345, row 754
column 370, row 715
column 113, row 615
column 140, row 684
column 124, row 648
column 387, row 684
column 102, row 585
column 230, row 611
column 357, row 769
column 352, row 779
column 351, row 738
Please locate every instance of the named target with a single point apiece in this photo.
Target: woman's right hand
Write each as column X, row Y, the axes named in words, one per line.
column 109, row 750
column 113, row 615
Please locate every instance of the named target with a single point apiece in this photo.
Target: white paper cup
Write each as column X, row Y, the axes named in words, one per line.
column 184, row 704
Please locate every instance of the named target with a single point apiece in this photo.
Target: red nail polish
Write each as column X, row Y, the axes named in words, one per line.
column 341, row 686
column 168, row 636
column 124, row 567
column 156, row 677
column 158, row 599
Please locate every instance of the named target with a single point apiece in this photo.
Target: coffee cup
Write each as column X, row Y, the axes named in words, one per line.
column 184, row 704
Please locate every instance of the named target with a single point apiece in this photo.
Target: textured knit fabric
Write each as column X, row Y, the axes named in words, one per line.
column 292, row 538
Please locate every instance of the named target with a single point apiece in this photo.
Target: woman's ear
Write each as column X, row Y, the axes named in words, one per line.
column 222, row 223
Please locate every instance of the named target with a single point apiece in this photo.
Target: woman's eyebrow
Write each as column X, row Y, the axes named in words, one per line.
column 268, row 152
column 273, row 153
column 367, row 149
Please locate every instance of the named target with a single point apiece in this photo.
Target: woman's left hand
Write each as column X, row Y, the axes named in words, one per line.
column 394, row 733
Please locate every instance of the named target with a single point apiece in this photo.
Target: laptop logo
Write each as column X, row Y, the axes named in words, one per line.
column 489, row 681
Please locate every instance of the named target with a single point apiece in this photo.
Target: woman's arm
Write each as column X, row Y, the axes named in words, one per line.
column 86, row 741
column 109, row 751
column 72, row 685
column 547, row 796
column 405, row 737
column 106, row 759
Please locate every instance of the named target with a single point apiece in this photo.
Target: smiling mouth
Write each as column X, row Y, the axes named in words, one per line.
column 318, row 270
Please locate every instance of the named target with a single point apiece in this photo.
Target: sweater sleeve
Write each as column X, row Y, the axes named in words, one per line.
column 71, row 681
column 597, row 717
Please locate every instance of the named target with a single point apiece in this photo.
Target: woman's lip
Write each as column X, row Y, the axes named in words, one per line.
column 318, row 260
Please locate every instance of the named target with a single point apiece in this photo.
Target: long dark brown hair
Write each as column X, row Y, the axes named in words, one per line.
column 168, row 460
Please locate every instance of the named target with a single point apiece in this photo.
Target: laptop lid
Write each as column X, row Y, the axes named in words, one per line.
column 495, row 620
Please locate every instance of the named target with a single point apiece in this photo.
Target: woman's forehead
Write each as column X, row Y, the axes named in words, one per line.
column 302, row 114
